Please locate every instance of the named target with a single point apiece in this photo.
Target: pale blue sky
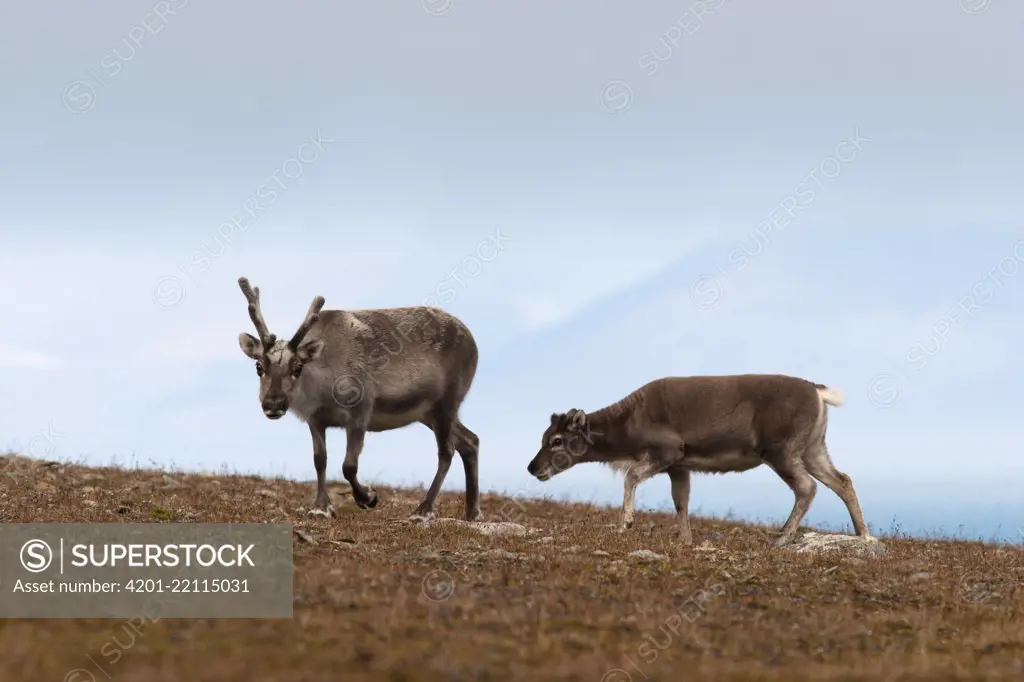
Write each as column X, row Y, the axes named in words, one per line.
column 130, row 141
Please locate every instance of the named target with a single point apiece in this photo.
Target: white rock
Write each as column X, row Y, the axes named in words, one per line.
column 648, row 555
column 490, row 528
column 501, row 554
column 811, row 542
column 498, row 528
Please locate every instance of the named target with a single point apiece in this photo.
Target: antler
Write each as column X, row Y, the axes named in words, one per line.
column 312, row 315
column 253, row 296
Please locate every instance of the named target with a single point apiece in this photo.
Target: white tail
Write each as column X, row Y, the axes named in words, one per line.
column 831, row 396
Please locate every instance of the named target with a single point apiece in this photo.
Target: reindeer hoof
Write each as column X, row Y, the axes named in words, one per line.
column 425, row 512
column 371, row 500
column 325, row 513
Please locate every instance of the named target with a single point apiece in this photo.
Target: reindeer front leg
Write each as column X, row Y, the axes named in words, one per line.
column 631, row 481
column 322, row 505
column 365, row 497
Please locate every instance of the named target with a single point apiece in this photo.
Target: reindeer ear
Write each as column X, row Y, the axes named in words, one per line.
column 555, row 417
column 250, row 345
column 577, row 419
column 310, row 350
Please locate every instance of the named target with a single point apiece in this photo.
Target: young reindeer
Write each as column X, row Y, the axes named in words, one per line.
column 707, row 424
column 370, row 370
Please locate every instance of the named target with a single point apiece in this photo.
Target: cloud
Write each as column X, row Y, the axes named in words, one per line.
column 200, row 345
column 566, row 274
column 18, row 358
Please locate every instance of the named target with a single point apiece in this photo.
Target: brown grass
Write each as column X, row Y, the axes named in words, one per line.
column 378, row 598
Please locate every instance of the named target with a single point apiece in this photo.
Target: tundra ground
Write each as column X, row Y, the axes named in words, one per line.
column 380, row 598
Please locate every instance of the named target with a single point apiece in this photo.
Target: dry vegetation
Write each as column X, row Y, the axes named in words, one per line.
column 380, row 598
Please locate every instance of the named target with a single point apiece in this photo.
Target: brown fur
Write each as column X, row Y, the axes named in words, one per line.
column 371, row 370
column 706, row 424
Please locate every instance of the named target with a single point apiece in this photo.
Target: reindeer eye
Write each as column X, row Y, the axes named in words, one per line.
column 296, row 371
column 556, row 441
column 259, row 369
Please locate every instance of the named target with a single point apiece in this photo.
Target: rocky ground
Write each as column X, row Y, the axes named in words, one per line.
column 543, row 591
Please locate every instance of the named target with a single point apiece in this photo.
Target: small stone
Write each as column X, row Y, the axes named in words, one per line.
column 170, row 483
column 90, row 503
column 44, row 487
column 266, row 493
column 600, row 552
column 648, row 555
column 304, row 536
column 923, row 575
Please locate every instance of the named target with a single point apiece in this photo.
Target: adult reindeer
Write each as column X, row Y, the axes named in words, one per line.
column 370, row 370
column 707, row 424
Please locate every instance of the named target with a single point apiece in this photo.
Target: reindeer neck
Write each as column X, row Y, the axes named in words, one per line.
column 609, row 434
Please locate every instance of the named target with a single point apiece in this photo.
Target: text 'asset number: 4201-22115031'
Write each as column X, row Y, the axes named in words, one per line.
column 184, row 585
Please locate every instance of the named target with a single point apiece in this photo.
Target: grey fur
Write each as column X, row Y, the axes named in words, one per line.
column 707, row 424
column 370, row 370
